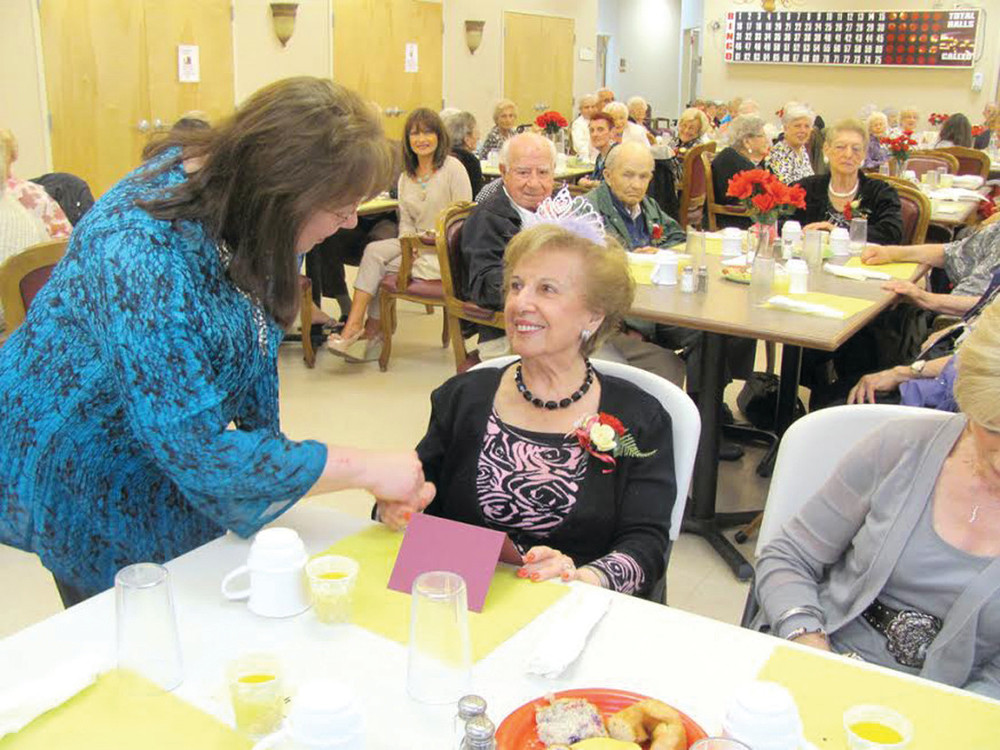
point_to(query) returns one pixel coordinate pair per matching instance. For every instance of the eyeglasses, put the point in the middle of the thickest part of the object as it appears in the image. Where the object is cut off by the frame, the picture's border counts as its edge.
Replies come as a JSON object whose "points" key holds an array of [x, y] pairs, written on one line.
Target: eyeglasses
{"points": [[843, 148], [344, 217]]}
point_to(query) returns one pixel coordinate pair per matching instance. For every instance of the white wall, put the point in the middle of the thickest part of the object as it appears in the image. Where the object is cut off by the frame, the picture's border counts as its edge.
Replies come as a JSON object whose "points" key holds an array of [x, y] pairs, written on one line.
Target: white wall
{"points": [[474, 82], [22, 90], [608, 23], [838, 92]]}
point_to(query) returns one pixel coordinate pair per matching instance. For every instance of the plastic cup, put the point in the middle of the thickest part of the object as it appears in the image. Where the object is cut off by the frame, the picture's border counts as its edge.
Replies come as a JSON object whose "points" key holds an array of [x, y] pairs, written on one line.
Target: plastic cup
{"points": [[147, 640], [781, 282], [812, 249], [695, 246], [257, 693], [764, 716], [439, 662], [870, 727], [331, 587]]}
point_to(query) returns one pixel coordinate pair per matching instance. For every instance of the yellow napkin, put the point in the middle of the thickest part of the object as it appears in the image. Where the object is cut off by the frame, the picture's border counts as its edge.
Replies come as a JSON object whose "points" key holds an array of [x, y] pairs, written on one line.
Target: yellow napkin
{"points": [[642, 273], [825, 688], [902, 271], [122, 710], [850, 306], [510, 604]]}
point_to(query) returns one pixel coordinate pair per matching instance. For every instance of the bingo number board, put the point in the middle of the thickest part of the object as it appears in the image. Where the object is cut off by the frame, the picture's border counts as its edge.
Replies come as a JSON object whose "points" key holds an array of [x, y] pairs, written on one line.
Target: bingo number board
{"points": [[923, 39]]}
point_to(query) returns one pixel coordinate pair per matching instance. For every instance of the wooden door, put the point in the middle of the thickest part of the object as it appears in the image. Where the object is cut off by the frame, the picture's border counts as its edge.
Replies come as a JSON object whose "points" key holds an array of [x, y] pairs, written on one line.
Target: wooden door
{"points": [[95, 76], [207, 24], [538, 64], [369, 54], [111, 75]]}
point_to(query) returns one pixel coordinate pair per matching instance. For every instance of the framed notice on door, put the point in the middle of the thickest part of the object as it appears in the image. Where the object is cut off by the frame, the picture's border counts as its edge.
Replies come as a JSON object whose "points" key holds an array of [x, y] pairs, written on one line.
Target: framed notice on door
{"points": [[920, 38]]}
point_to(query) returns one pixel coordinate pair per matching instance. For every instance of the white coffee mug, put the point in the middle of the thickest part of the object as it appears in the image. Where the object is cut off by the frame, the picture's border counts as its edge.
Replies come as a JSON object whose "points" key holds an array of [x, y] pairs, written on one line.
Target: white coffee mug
{"points": [[276, 567], [840, 241], [324, 715], [665, 272], [732, 242]]}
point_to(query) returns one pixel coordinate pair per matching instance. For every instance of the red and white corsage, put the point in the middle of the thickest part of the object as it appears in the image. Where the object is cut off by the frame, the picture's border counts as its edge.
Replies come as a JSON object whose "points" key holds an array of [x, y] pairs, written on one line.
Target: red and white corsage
{"points": [[605, 437]]}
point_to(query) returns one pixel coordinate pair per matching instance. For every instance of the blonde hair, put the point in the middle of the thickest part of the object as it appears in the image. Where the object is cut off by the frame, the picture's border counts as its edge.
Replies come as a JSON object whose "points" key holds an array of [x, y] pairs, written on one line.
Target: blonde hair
{"points": [[9, 142], [616, 109], [693, 113], [978, 363], [847, 126], [608, 285], [880, 116], [499, 108]]}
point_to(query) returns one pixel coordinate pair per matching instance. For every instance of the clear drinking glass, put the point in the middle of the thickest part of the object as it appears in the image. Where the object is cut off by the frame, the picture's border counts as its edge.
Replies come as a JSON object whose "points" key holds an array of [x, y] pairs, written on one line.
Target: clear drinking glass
{"points": [[858, 234], [148, 643], [257, 693], [331, 587], [439, 653], [812, 249], [931, 178], [695, 246], [871, 727]]}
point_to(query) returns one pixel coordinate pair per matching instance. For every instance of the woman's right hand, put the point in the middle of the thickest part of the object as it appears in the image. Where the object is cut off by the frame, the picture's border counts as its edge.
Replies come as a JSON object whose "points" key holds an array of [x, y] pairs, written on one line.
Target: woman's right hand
{"points": [[814, 640], [396, 477], [876, 255]]}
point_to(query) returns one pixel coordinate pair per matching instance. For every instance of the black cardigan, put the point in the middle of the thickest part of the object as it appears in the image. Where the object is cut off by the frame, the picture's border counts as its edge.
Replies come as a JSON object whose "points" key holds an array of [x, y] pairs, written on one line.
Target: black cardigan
{"points": [[725, 166], [627, 510], [471, 163], [490, 226], [878, 199]]}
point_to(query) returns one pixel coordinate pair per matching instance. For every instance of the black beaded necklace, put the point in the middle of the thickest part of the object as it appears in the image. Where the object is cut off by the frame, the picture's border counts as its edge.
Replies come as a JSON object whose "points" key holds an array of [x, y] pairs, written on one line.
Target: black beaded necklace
{"points": [[551, 405]]}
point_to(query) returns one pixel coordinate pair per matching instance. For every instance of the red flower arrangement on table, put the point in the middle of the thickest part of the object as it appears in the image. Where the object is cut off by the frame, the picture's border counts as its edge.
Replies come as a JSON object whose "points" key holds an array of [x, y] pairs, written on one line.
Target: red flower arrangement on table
{"points": [[605, 438], [764, 195], [937, 118], [551, 122], [978, 130], [900, 146]]}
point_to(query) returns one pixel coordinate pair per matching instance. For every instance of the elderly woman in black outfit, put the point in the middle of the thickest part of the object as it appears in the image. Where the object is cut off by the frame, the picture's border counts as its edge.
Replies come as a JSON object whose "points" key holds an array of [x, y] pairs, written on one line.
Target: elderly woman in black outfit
{"points": [[748, 148], [828, 194], [499, 447]]}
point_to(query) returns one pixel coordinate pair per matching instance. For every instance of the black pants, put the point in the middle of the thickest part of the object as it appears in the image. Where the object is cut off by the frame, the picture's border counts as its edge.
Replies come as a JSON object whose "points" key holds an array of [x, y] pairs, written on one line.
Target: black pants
{"points": [[325, 262]]}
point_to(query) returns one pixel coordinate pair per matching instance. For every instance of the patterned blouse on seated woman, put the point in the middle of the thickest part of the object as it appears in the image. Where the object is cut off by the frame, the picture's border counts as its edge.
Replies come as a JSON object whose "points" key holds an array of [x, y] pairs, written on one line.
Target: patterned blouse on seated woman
{"points": [[432, 180], [789, 157], [878, 128], [502, 445]]}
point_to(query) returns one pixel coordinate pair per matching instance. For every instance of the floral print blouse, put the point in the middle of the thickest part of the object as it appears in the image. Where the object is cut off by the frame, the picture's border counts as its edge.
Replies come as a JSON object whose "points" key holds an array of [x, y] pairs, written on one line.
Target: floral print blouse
{"points": [[789, 164]]}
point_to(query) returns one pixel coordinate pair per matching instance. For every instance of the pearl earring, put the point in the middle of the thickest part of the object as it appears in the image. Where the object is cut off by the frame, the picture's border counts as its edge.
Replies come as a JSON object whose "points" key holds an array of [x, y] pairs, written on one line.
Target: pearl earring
{"points": [[585, 335]]}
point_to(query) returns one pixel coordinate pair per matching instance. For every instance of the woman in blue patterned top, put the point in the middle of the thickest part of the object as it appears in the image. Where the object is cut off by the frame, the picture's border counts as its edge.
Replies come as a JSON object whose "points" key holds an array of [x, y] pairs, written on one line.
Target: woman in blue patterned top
{"points": [[160, 329]]}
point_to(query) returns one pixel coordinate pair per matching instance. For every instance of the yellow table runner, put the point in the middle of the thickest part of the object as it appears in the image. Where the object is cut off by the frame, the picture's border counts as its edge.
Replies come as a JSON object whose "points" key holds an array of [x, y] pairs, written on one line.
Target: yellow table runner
{"points": [[825, 688], [123, 711], [902, 271], [850, 306], [510, 605]]}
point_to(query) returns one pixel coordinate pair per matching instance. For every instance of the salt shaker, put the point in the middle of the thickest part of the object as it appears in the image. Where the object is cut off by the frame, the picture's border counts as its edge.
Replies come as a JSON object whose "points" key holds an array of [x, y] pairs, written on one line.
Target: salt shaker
{"points": [[702, 285], [687, 280], [469, 707], [479, 734]]}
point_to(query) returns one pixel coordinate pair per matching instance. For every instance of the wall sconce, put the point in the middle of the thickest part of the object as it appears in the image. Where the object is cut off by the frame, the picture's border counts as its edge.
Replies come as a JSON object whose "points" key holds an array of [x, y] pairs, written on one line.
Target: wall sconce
{"points": [[283, 20], [474, 34]]}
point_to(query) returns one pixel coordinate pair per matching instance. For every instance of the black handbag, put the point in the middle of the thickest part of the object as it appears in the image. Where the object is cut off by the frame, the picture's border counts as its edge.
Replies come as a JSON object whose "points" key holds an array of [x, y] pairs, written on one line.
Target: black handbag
{"points": [[759, 400]]}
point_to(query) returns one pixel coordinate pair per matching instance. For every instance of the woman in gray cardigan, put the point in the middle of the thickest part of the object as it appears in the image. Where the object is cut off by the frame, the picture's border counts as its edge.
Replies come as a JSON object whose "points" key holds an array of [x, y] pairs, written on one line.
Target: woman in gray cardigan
{"points": [[897, 558]]}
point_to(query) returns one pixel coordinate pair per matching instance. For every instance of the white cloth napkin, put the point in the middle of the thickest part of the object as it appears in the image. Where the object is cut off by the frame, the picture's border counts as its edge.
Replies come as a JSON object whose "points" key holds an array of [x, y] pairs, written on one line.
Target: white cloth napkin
{"points": [[22, 703], [858, 274], [739, 260], [970, 181], [810, 308], [572, 620], [956, 194]]}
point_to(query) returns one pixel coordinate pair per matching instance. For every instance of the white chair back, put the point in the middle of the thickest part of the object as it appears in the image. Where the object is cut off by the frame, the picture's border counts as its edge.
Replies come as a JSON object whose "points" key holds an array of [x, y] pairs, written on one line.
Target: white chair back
{"points": [[811, 449], [684, 418]]}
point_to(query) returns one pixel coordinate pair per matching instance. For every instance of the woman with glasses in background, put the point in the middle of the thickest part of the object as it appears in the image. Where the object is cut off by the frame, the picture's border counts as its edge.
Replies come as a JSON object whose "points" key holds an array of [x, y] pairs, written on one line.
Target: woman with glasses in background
{"points": [[828, 195]]}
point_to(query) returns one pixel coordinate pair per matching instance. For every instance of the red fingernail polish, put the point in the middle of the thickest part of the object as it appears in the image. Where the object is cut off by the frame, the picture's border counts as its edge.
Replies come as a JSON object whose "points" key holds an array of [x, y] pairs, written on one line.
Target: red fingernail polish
{"points": [[530, 557], [536, 577], [565, 576], [522, 573]]}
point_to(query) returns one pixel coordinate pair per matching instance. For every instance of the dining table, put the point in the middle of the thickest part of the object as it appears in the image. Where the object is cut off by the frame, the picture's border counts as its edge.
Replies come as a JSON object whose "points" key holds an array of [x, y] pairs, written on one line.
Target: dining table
{"points": [[691, 662], [725, 309]]}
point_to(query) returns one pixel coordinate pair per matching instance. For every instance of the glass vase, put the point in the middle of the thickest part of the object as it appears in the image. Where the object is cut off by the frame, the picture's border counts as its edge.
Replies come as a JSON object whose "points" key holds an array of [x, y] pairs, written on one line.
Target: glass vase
{"points": [[762, 270]]}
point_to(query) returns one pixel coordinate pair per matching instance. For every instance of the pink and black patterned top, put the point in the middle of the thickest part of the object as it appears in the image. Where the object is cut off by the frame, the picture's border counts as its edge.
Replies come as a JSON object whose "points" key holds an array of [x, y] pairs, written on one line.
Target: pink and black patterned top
{"points": [[38, 202], [527, 485]]}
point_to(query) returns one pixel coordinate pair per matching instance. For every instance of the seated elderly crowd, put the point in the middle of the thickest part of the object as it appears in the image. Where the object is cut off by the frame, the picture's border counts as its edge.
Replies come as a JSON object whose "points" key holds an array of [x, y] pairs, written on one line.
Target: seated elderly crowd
{"points": [[909, 523]]}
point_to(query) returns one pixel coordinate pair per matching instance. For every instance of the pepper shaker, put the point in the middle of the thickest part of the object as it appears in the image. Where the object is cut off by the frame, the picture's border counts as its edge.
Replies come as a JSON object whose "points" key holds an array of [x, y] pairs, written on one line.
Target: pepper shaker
{"points": [[469, 707], [479, 734], [702, 279]]}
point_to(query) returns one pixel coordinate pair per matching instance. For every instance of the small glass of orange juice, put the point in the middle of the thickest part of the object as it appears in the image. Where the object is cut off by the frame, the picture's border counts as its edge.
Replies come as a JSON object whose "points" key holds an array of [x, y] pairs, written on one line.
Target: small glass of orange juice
{"points": [[871, 727], [257, 693], [781, 281], [331, 587]]}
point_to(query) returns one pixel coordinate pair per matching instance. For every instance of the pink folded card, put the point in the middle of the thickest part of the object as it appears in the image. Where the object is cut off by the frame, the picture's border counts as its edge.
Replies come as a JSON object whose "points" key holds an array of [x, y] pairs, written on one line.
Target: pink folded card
{"points": [[433, 543]]}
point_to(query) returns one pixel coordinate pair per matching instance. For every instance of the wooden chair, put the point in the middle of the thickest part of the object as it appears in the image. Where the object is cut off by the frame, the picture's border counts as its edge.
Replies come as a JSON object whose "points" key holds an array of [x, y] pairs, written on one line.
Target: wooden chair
{"points": [[457, 309], [402, 285], [716, 209], [305, 321], [22, 275], [925, 161], [970, 160], [693, 187], [916, 209]]}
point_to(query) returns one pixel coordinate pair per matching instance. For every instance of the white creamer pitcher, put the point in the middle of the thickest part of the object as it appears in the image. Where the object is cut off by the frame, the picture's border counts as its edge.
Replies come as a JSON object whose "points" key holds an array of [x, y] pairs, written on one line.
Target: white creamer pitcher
{"points": [[276, 569]]}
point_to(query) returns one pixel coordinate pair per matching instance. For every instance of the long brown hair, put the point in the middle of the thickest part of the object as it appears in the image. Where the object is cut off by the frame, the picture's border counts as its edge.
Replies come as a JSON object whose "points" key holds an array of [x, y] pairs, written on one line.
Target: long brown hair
{"points": [[424, 121], [295, 146]]}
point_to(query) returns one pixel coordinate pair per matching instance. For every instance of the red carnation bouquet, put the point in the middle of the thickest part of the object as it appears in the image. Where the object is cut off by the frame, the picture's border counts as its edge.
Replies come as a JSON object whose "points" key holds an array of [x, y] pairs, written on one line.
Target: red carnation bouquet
{"points": [[765, 196], [937, 118], [551, 122], [900, 146], [978, 130]]}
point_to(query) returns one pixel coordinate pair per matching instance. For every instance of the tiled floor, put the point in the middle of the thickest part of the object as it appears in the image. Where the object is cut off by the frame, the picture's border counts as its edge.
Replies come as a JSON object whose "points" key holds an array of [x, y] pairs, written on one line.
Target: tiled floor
{"points": [[350, 404]]}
